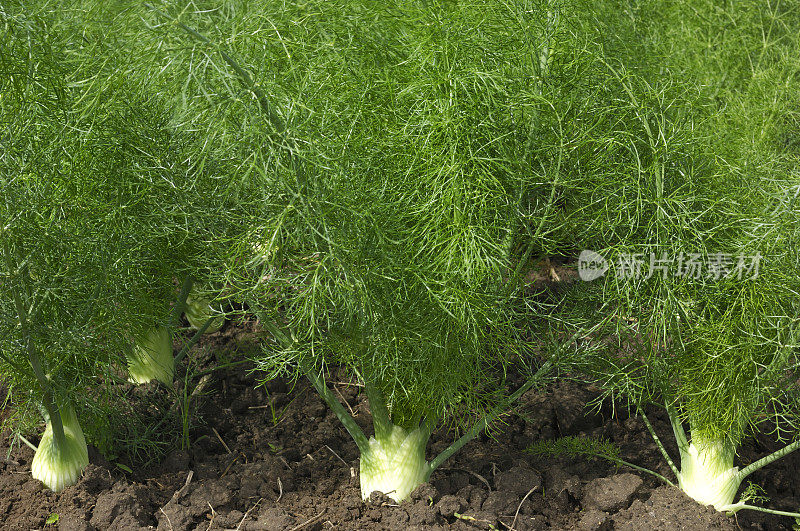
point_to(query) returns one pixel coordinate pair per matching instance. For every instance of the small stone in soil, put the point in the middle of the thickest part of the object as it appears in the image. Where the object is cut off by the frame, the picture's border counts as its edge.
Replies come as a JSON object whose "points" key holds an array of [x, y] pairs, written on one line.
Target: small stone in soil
{"points": [[450, 505], [611, 494], [594, 520], [519, 480], [275, 519], [501, 502]]}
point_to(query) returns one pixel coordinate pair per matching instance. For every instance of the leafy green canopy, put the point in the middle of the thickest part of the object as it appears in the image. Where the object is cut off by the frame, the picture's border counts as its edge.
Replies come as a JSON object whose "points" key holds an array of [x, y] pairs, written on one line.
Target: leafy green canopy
{"points": [[709, 172], [396, 262]]}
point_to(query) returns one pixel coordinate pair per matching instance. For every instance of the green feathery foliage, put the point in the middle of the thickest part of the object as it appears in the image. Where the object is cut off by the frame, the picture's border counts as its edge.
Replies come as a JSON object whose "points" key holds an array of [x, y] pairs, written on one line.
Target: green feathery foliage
{"points": [[703, 169], [102, 208]]}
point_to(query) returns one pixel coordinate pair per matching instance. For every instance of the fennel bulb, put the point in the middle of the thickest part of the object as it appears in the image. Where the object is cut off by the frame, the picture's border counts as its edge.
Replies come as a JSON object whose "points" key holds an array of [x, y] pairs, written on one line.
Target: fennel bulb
{"points": [[59, 463], [707, 474], [151, 358], [199, 310], [394, 465]]}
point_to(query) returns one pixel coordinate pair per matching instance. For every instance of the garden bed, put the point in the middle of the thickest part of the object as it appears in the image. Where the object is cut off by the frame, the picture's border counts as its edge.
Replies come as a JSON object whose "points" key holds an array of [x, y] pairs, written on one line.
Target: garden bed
{"points": [[276, 457]]}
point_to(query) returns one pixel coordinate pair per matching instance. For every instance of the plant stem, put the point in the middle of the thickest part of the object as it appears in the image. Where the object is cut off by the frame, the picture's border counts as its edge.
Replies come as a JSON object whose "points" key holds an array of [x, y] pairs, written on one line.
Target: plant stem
{"points": [[523, 262], [219, 368], [355, 431], [381, 419], [495, 412], [544, 62], [770, 511], [660, 446], [543, 66], [27, 442], [484, 421], [639, 468], [185, 443], [764, 461], [344, 417], [48, 400], [677, 429], [180, 303], [195, 338]]}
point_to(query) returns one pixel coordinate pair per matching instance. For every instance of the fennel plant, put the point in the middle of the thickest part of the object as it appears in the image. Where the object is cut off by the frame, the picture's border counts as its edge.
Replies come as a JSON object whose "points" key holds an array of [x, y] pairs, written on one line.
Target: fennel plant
{"points": [[710, 185], [400, 198], [99, 214]]}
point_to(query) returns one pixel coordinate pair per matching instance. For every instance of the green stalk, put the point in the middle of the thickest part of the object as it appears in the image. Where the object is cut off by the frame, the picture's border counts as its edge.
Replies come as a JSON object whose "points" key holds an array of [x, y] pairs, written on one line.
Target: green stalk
{"points": [[48, 400], [27, 442], [180, 303], [195, 338], [219, 368], [764, 461], [479, 426], [660, 446], [543, 66], [344, 417], [500, 408], [639, 468], [677, 429], [381, 419], [770, 511]]}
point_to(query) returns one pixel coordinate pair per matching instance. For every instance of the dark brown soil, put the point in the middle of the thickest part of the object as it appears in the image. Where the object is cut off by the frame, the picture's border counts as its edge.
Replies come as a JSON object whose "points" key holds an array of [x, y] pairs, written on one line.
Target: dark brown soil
{"points": [[275, 458]]}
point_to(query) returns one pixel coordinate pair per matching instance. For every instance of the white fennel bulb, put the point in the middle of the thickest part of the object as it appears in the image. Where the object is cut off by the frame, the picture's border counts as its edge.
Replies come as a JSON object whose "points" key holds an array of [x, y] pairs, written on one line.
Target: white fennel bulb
{"points": [[59, 463], [394, 465], [707, 474], [199, 310], [151, 358]]}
